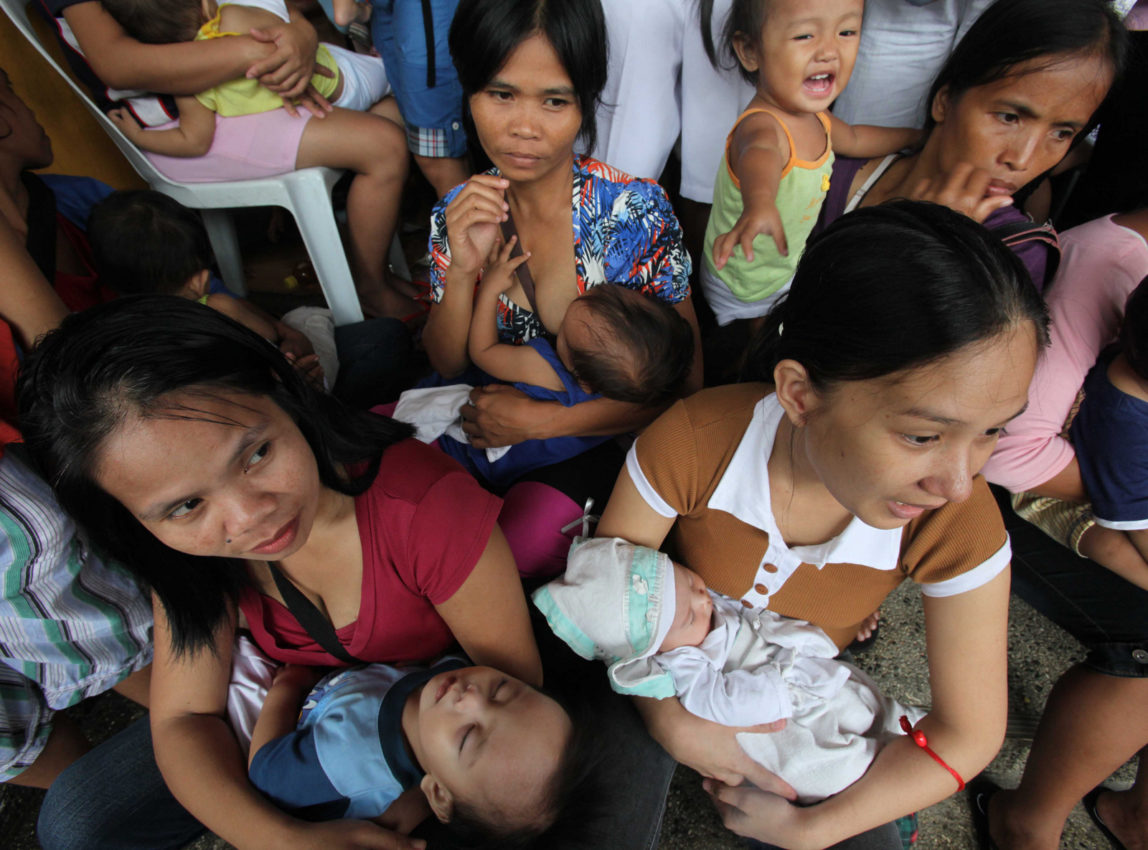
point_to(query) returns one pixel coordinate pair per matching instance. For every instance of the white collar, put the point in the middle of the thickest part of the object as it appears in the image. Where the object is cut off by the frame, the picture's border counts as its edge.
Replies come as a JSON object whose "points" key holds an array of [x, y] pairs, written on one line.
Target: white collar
{"points": [[744, 492]]}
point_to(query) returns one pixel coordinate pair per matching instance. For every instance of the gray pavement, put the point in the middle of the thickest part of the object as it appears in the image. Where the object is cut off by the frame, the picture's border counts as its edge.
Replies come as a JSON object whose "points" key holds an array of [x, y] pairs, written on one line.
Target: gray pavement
{"points": [[1038, 653]]}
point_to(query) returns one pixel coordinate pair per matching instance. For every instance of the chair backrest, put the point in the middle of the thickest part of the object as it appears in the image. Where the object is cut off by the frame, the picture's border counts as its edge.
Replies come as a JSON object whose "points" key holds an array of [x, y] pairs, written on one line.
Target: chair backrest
{"points": [[17, 11]]}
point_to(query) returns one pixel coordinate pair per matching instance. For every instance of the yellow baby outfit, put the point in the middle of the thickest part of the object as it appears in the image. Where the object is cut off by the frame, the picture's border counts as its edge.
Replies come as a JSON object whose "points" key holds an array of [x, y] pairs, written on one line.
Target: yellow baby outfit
{"points": [[244, 96]]}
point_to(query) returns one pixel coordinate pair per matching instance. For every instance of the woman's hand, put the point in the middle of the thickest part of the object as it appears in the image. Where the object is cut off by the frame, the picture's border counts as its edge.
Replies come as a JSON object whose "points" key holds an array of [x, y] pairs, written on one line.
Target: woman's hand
{"points": [[500, 415], [758, 814], [962, 190], [473, 221], [310, 100], [710, 748], [354, 835], [287, 69]]}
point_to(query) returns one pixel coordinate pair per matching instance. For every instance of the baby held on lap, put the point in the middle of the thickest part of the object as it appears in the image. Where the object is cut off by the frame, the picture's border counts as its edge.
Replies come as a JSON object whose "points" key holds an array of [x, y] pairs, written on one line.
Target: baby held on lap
{"points": [[497, 760], [663, 634]]}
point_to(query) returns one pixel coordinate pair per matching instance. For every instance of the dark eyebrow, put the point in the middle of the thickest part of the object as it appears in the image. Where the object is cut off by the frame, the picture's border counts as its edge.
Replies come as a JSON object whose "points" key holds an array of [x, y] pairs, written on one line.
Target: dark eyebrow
{"points": [[568, 91], [1026, 111], [250, 437], [921, 413], [1022, 109]]}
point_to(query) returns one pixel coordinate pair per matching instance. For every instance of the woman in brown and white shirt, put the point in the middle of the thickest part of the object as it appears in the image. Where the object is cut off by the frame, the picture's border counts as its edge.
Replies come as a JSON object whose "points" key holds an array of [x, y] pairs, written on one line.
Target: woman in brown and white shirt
{"points": [[905, 345]]}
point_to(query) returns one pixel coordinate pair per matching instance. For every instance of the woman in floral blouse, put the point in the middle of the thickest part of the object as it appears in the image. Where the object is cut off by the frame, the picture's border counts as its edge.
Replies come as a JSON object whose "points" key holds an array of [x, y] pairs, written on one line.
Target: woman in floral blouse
{"points": [[533, 74]]}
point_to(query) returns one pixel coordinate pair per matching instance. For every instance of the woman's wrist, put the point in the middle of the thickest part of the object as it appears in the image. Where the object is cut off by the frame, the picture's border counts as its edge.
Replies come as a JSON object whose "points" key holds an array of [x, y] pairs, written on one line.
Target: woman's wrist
{"points": [[458, 274], [285, 832]]}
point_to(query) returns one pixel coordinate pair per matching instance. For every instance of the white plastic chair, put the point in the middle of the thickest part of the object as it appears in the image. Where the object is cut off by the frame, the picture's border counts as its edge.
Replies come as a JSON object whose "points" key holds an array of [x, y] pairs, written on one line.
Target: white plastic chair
{"points": [[306, 194]]}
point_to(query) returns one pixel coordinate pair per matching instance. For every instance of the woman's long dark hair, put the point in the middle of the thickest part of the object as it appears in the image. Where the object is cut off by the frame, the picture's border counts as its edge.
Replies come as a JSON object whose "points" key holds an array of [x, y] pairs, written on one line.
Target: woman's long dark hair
{"points": [[894, 287], [485, 32], [1012, 32], [124, 359]]}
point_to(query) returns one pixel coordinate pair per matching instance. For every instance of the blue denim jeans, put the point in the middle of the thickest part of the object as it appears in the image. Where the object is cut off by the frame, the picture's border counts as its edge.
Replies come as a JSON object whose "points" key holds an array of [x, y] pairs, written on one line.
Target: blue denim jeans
{"points": [[115, 798]]}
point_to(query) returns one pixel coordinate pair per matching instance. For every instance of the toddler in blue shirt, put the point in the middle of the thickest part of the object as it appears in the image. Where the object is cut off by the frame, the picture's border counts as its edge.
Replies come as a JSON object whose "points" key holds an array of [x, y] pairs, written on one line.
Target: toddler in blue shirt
{"points": [[494, 757]]}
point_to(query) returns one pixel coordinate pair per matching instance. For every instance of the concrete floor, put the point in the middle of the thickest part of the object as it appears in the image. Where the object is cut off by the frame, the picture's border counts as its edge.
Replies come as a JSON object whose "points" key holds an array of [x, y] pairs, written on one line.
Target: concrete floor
{"points": [[1038, 652]]}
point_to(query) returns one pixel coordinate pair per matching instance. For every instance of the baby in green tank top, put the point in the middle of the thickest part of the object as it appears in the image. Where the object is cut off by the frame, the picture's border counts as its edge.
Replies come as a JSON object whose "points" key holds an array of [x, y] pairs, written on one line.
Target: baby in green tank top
{"points": [[775, 173]]}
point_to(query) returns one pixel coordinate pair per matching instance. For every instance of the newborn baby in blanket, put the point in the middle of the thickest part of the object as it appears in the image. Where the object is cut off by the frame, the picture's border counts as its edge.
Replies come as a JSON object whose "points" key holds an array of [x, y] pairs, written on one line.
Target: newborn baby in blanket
{"points": [[663, 634]]}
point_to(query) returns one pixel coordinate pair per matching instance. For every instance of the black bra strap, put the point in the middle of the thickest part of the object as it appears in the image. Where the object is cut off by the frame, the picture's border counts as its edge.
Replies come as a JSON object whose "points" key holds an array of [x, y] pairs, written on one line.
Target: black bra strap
{"points": [[310, 617]]}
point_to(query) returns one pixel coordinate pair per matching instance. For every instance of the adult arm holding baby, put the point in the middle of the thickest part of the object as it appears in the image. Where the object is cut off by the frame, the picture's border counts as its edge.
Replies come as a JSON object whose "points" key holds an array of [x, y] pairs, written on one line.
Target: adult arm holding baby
{"points": [[700, 472], [499, 414], [281, 55]]}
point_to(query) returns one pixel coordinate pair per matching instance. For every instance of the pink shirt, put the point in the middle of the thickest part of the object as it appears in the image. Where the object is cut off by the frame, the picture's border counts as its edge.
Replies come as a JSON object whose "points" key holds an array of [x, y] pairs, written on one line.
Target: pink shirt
{"points": [[1101, 264]]}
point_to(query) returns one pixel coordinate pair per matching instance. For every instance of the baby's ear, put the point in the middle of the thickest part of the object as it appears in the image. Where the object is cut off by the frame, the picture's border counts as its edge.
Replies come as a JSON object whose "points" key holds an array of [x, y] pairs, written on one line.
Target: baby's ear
{"points": [[197, 285], [746, 52], [439, 796]]}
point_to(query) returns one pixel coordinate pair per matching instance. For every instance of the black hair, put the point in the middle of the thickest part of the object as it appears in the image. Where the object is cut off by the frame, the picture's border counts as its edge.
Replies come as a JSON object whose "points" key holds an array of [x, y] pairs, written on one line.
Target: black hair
{"points": [[125, 358], [894, 287], [1134, 331], [570, 806], [157, 21], [746, 17], [485, 32], [643, 347], [145, 242], [1012, 32]]}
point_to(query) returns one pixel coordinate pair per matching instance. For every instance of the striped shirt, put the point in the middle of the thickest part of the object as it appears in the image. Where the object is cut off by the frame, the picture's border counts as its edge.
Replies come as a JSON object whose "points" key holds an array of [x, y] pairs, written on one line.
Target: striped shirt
{"points": [[71, 626]]}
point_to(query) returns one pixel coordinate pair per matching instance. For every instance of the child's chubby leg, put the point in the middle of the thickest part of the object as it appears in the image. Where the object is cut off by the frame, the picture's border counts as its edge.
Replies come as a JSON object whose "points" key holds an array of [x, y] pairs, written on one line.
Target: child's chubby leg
{"points": [[376, 150], [1115, 550]]}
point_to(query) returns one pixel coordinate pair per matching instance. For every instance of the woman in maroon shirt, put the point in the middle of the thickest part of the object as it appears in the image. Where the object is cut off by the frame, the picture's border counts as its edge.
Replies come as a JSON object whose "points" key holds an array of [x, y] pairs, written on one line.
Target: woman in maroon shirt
{"points": [[191, 450]]}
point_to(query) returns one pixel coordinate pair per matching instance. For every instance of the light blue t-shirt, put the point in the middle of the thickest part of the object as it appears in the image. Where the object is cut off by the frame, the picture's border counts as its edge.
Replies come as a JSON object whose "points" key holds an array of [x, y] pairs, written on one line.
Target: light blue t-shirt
{"points": [[347, 758]]}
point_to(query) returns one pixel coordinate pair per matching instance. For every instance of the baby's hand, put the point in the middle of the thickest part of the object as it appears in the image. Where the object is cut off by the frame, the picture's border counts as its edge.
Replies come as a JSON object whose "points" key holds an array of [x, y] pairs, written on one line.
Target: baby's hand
{"points": [[500, 266], [126, 123], [749, 225], [300, 354], [294, 344], [310, 368]]}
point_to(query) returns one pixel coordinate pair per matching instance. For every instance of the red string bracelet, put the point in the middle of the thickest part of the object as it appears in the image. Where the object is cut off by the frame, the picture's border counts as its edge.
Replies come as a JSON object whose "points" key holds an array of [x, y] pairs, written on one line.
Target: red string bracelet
{"points": [[921, 741]]}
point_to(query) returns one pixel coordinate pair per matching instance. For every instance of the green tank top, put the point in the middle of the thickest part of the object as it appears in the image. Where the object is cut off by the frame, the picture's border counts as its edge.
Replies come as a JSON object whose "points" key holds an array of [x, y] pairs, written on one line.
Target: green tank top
{"points": [[799, 198]]}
